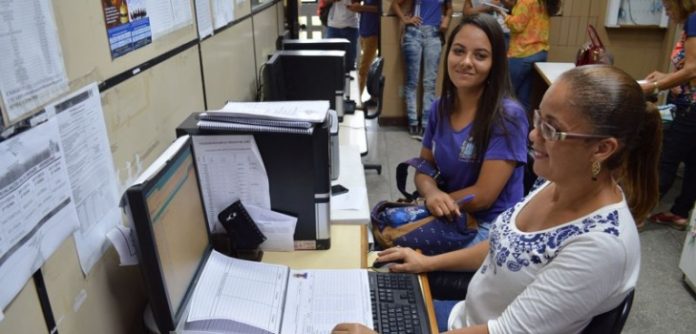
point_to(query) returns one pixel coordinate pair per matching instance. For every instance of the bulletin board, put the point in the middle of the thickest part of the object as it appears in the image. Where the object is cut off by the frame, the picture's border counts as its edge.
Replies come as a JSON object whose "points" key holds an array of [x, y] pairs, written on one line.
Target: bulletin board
{"points": [[636, 13]]}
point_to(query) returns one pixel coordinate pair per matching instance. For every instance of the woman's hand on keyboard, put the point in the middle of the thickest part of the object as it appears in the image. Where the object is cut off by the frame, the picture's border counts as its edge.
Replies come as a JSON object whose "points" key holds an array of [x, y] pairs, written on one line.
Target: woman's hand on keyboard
{"points": [[346, 328], [412, 261]]}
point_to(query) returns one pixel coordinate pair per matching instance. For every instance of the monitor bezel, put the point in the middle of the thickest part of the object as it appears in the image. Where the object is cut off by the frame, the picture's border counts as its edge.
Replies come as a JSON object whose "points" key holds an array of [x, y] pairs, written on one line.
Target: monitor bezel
{"points": [[165, 317]]}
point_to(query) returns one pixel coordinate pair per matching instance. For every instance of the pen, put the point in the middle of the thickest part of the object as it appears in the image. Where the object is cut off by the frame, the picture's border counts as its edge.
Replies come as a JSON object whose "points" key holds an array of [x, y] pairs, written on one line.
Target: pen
{"points": [[465, 199]]}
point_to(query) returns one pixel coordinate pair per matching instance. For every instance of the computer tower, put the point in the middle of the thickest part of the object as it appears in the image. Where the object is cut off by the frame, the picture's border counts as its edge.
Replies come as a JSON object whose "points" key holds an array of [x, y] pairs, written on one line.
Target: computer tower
{"points": [[298, 172], [337, 44]]}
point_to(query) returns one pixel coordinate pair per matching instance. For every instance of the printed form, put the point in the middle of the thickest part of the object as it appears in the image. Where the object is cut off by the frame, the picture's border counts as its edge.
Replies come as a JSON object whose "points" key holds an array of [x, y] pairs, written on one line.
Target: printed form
{"points": [[37, 212], [91, 170], [317, 300], [230, 168], [245, 295]]}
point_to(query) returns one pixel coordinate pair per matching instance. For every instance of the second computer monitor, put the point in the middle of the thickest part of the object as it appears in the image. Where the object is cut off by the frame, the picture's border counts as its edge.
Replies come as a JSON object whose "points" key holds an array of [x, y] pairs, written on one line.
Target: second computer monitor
{"points": [[336, 44], [294, 75]]}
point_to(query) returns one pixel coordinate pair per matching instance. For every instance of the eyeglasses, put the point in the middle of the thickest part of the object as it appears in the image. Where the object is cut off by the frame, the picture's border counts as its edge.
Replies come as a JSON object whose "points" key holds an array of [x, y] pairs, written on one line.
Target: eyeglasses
{"points": [[552, 134]]}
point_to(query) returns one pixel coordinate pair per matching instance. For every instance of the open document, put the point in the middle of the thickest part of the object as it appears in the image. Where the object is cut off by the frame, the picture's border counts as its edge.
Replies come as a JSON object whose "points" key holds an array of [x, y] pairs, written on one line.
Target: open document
{"points": [[230, 168], [237, 296]]}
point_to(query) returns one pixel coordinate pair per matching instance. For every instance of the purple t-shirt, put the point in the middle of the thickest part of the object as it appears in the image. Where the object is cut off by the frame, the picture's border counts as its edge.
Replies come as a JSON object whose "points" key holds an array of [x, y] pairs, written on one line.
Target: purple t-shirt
{"points": [[455, 157]]}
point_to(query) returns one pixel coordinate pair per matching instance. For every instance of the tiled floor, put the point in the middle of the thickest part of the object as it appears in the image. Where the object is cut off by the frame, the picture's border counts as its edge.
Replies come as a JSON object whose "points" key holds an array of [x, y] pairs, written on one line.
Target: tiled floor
{"points": [[663, 304]]}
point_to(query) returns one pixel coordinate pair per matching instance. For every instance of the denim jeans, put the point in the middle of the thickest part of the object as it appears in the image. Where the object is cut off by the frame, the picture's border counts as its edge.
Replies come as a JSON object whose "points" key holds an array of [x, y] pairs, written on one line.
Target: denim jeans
{"points": [[420, 42], [521, 75], [443, 308], [351, 34], [678, 145], [484, 229]]}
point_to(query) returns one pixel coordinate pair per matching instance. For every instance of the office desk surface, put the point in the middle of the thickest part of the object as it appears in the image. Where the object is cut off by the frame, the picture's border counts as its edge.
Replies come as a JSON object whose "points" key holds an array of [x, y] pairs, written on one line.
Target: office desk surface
{"points": [[551, 71], [351, 176], [348, 251], [352, 131]]}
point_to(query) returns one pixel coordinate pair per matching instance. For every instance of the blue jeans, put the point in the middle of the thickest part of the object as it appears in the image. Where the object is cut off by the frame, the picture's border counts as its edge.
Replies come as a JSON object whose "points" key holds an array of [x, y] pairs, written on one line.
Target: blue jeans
{"points": [[443, 308], [420, 42], [521, 75], [484, 229], [678, 145], [351, 34]]}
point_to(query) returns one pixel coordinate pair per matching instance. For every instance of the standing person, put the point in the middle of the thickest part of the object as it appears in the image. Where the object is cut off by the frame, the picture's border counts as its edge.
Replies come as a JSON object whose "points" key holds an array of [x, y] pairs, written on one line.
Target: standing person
{"points": [[477, 134], [424, 24], [570, 250], [472, 7], [680, 137], [343, 23], [369, 36], [529, 41]]}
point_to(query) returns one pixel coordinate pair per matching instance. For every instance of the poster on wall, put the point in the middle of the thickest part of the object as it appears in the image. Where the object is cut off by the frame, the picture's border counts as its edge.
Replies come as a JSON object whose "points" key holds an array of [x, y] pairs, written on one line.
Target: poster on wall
{"points": [[127, 25], [31, 60]]}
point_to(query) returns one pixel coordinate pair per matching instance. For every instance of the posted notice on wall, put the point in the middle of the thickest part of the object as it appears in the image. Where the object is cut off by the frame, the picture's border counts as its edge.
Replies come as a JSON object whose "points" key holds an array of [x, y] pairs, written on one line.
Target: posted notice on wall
{"points": [[127, 25], [37, 212], [31, 61], [91, 170]]}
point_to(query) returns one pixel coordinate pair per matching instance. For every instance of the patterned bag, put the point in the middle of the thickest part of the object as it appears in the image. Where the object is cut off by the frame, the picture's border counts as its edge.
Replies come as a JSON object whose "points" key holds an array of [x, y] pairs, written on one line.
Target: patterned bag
{"points": [[429, 234]]}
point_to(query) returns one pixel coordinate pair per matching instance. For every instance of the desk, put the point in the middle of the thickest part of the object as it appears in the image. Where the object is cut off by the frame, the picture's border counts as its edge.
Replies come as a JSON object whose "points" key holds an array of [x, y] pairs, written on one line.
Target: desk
{"points": [[551, 71], [351, 176], [352, 131], [546, 74]]}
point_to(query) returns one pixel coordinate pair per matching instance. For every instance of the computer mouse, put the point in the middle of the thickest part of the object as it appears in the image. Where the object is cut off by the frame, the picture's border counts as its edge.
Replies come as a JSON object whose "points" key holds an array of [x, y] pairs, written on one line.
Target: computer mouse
{"points": [[384, 266]]}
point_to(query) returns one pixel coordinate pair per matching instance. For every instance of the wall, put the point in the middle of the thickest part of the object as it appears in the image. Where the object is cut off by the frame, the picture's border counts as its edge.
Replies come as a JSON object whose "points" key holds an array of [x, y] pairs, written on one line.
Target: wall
{"points": [[141, 114], [568, 33]]}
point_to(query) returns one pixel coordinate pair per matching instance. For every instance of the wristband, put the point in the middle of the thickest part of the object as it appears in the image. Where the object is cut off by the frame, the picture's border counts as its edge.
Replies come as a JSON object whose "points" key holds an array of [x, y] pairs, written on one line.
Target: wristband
{"points": [[656, 88]]}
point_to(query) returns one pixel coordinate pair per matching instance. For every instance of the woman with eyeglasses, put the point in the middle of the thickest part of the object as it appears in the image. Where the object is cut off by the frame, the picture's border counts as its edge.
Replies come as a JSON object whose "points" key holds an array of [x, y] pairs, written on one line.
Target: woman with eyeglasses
{"points": [[570, 250]]}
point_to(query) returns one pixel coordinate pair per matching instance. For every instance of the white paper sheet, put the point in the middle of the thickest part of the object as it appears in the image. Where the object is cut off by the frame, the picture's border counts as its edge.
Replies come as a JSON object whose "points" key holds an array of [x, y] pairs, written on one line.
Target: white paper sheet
{"points": [[31, 61], [223, 13], [352, 200], [36, 208], [241, 291], [204, 18], [317, 300], [309, 111], [277, 227], [230, 168], [124, 243], [91, 169], [168, 15]]}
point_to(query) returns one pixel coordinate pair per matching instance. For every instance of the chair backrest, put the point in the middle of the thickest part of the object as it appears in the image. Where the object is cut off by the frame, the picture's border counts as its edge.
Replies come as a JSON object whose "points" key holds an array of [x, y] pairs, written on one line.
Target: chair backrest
{"points": [[611, 322], [375, 87]]}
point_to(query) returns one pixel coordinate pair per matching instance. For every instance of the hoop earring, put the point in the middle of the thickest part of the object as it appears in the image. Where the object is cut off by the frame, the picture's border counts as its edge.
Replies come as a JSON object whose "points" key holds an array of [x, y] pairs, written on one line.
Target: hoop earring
{"points": [[596, 168]]}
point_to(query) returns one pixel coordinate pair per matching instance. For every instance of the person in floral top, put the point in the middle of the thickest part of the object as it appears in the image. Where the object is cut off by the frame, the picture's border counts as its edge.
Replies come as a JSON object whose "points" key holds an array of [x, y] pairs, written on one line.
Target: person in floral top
{"points": [[570, 250], [679, 144], [529, 41]]}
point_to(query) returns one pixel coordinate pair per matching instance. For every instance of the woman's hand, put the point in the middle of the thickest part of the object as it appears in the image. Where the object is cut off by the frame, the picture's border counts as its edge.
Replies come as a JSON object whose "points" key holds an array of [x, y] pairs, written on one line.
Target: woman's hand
{"points": [[440, 204], [349, 328], [655, 76], [415, 20], [413, 262]]}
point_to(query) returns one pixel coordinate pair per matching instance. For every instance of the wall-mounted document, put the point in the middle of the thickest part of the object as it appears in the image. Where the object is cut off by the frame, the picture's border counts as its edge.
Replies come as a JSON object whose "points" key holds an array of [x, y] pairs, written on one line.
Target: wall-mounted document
{"points": [[168, 15], [91, 170], [204, 18], [31, 61], [37, 212], [230, 168], [128, 26], [223, 13]]}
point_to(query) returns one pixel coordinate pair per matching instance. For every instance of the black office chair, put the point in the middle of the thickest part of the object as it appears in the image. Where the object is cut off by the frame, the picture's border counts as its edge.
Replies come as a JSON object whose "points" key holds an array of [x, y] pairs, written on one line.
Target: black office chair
{"points": [[612, 321], [373, 106]]}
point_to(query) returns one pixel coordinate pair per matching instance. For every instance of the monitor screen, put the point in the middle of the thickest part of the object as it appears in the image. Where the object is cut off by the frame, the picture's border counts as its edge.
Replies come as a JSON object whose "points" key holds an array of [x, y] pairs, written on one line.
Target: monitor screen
{"points": [[170, 223]]}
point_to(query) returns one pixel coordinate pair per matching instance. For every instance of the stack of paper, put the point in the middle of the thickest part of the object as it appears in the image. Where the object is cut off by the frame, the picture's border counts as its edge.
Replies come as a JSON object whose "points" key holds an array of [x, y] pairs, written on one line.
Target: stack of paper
{"points": [[285, 116]]}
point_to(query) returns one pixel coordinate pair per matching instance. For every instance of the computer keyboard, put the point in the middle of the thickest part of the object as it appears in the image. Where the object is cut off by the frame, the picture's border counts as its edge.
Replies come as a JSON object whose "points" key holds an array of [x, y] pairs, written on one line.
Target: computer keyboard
{"points": [[397, 304]]}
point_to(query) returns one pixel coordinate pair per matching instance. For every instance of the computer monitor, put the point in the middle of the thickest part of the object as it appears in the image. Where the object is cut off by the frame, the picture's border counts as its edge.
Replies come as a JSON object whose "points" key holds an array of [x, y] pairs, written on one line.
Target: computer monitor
{"points": [[336, 44], [294, 75], [171, 231]]}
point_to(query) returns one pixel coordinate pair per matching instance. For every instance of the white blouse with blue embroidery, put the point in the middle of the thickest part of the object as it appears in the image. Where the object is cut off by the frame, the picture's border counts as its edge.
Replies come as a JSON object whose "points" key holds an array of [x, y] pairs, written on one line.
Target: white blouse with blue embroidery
{"points": [[554, 280]]}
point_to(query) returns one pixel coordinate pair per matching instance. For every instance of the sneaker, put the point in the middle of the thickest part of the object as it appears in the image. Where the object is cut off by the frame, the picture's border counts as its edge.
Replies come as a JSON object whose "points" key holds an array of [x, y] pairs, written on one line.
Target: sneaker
{"points": [[414, 132], [670, 219]]}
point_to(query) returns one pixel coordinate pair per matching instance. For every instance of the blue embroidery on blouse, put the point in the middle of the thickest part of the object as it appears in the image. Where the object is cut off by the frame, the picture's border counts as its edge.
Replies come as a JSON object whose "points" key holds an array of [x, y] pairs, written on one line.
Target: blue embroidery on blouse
{"points": [[521, 250]]}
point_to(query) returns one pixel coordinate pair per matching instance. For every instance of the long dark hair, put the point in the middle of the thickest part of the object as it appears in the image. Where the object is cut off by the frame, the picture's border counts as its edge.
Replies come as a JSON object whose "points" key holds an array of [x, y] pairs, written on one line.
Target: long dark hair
{"points": [[615, 106], [489, 111], [551, 6]]}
